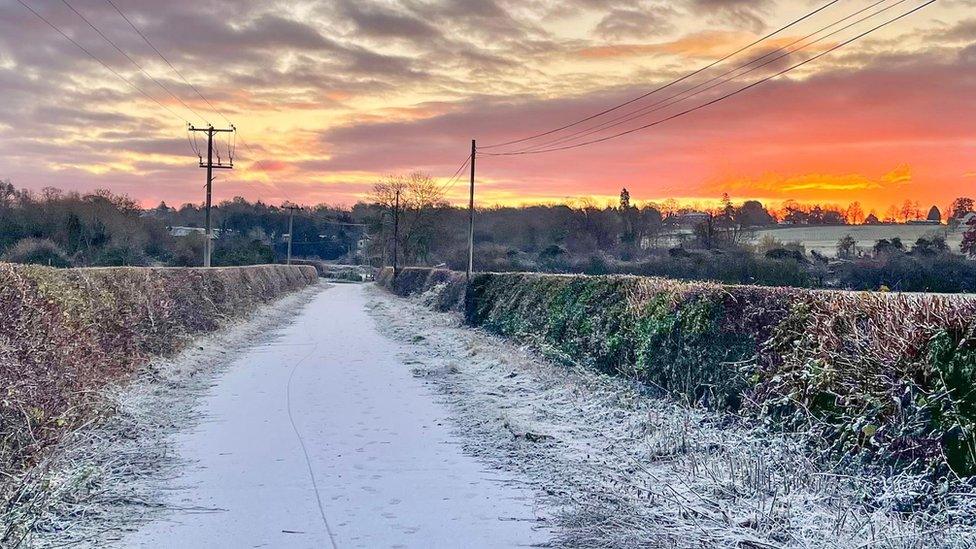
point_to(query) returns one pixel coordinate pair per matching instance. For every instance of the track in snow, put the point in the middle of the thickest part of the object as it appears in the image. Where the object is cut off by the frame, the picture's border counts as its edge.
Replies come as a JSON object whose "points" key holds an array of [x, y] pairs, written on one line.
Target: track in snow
{"points": [[387, 468]]}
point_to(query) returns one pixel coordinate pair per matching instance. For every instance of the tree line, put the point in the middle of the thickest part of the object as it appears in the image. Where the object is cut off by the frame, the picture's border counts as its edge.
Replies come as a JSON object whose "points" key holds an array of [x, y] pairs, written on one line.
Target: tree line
{"points": [[662, 240], [101, 228], [58, 228]]}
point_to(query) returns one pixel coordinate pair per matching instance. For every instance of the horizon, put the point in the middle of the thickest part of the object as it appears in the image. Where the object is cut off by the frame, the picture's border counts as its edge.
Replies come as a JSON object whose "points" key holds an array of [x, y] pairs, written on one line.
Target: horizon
{"points": [[669, 204]]}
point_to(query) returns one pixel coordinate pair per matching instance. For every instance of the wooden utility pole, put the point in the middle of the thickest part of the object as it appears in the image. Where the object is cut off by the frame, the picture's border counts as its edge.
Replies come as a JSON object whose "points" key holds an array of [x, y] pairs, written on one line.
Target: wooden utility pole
{"points": [[210, 166], [467, 274], [396, 233], [291, 230]]}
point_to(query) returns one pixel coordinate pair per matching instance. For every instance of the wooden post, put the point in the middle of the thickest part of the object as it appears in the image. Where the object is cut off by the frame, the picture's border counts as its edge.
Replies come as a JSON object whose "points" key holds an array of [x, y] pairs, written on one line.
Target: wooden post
{"points": [[474, 151]]}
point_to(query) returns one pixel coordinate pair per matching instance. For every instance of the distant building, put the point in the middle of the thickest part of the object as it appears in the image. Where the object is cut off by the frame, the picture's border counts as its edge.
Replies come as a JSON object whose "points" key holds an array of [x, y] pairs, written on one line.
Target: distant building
{"points": [[689, 219], [362, 247], [180, 232]]}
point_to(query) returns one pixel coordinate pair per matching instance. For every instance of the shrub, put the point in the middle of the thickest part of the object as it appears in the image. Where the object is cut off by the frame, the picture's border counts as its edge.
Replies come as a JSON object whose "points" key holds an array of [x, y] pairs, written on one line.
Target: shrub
{"points": [[120, 254], [236, 251], [188, 251], [732, 267], [37, 251], [924, 272]]}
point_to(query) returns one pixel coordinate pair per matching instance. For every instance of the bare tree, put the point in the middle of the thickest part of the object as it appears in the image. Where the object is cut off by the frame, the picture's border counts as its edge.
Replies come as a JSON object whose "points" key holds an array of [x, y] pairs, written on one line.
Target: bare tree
{"points": [[854, 214], [417, 194]]}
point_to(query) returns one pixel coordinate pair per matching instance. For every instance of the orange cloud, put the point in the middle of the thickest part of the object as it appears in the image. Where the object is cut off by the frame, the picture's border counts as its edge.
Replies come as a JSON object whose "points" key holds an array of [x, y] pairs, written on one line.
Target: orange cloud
{"points": [[701, 44], [270, 166], [820, 187], [901, 174]]}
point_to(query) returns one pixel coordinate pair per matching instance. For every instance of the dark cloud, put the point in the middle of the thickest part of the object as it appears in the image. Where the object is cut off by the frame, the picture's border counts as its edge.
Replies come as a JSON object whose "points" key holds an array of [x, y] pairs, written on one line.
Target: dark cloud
{"points": [[59, 115], [968, 55], [130, 143], [381, 21], [637, 22], [964, 31], [744, 14]]}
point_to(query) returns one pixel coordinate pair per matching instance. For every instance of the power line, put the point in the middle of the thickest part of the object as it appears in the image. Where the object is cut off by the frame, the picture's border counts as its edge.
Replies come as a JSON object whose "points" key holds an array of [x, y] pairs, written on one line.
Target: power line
{"points": [[131, 60], [196, 150], [667, 102], [669, 84], [643, 111], [116, 73], [723, 97], [163, 57], [454, 178], [308, 242], [258, 163], [102, 63]]}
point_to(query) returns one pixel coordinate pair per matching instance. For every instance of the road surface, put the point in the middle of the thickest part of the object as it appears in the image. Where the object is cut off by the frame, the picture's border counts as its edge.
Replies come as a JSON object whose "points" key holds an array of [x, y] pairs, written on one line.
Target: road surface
{"points": [[322, 437]]}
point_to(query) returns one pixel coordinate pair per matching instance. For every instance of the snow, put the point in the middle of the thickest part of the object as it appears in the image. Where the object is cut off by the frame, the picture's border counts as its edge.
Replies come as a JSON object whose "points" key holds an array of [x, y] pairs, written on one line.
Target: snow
{"points": [[623, 467], [387, 468], [421, 432]]}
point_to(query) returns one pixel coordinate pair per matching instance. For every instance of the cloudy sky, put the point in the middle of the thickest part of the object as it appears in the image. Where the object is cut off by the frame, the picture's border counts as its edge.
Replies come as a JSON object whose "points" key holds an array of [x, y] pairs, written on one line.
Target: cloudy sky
{"points": [[331, 95]]}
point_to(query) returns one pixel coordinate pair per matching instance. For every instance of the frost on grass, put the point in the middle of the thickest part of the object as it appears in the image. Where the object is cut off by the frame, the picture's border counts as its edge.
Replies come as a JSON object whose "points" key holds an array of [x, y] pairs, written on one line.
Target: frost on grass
{"points": [[105, 478], [619, 466]]}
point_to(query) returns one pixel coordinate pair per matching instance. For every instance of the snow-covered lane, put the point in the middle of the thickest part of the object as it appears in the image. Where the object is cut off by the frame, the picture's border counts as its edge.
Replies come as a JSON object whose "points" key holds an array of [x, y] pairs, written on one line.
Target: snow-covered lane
{"points": [[379, 449]]}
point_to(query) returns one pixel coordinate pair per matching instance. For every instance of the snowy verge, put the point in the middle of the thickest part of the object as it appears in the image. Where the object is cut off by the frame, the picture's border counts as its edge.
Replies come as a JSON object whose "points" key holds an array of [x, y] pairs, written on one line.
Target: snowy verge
{"points": [[625, 469]]}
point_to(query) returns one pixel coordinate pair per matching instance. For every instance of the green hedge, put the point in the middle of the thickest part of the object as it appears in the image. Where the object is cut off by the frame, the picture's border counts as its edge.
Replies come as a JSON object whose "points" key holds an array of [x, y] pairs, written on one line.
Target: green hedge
{"points": [[65, 333], [886, 378]]}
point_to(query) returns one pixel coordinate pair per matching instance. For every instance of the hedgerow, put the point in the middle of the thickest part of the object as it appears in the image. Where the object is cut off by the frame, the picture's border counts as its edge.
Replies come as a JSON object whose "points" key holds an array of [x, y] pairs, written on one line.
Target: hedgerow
{"points": [[65, 333], [447, 286], [874, 379]]}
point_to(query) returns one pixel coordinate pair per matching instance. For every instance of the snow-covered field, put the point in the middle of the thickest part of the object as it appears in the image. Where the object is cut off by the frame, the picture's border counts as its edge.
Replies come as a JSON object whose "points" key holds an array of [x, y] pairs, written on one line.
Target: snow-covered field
{"points": [[824, 238], [352, 418]]}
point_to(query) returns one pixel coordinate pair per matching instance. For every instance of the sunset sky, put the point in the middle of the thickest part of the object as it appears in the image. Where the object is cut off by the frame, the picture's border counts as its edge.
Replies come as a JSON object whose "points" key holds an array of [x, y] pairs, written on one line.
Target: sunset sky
{"points": [[332, 95]]}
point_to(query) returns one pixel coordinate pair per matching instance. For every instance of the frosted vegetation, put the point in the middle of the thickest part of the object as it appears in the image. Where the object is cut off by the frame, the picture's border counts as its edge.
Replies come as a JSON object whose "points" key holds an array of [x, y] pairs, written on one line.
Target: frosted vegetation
{"points": [[870, 391]]}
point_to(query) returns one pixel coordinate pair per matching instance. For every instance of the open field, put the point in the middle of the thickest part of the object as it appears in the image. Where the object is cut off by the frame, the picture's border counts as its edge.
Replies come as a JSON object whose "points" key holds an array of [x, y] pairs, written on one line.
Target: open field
{"points": [[824, 239]]}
